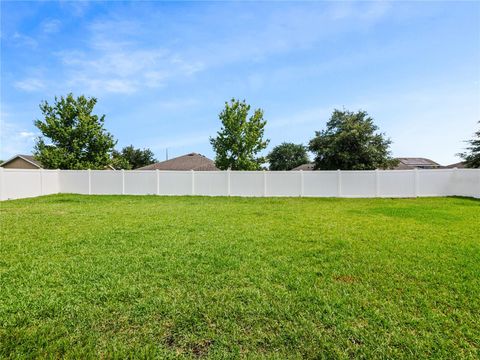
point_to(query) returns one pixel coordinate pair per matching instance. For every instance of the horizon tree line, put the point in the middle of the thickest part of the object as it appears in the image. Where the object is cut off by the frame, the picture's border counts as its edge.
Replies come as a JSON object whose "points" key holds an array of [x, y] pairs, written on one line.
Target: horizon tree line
{"points": [[72, 137]]}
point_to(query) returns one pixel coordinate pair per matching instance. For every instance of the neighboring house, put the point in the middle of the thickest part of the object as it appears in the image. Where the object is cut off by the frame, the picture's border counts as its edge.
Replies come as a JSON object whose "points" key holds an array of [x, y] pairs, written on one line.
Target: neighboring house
{"points": [[192, 161], [416, 163], [459, 165], [404, 164], [304, 167], [28, 162], [21, 162]]}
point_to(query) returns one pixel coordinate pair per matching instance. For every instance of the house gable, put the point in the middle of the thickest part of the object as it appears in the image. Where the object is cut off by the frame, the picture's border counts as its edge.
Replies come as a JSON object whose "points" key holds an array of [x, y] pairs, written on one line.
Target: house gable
{"points": [[21, 162]]}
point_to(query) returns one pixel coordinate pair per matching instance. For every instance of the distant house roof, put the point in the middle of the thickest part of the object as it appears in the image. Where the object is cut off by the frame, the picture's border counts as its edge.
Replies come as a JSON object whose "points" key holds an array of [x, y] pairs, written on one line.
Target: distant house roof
{"points": [[412, 163], [459, 165], [192, 161], [12, 163], [304, 167], [28, 158]]}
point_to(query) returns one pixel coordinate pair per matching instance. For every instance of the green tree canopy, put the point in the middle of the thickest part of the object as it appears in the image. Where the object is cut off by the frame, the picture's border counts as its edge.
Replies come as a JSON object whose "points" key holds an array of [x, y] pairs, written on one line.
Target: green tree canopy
{"points": [[287, 156], [76, 137], [240, 139], [472, 156], [130, 158], [351, 142]]}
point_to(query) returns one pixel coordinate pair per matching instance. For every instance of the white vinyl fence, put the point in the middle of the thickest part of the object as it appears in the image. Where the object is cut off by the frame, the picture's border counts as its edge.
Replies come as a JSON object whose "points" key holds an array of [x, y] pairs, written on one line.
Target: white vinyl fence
{"points": [[19, 183]]}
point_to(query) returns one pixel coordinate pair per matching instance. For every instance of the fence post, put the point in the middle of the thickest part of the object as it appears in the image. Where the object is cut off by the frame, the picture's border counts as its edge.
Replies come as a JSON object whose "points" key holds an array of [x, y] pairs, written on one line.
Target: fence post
{"points": [[158, 181], [453, 188], [59, 186], [228, 183], [41, 182], [123, 182], [264, 183], [339, 183], [2, 174], [416, 182], [377, 185], [193, 181], [301, 183], [89, 182], [478, 194]]}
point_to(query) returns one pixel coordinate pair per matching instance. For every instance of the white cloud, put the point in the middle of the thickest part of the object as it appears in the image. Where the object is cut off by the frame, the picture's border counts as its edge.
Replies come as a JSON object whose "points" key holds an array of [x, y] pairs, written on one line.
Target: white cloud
{"points": [[51, 26], [24, 40], [122, 58], [30, 84], [27, 135], [77, 7], [368, 12], [123, 67], [287, 28], [14, 139], [118, 59], [99, 85]]}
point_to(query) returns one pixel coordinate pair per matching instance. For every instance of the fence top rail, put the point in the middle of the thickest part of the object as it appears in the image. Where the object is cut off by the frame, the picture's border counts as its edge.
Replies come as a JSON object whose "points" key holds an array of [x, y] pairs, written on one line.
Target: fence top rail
{"points": [[28, 170], [246, 171]]}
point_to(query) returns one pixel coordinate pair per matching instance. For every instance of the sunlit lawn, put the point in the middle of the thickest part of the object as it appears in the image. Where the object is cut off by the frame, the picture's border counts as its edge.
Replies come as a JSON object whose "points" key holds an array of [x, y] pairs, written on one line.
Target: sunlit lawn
{"points": [[147, 276]]}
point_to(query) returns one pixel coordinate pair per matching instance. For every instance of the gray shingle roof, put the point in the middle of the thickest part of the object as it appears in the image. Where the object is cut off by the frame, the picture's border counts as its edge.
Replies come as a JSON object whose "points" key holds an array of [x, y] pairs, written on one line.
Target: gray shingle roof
{"points": [[459, 165], [304, 167], [417, 162], [407, 163], [192, 161]]}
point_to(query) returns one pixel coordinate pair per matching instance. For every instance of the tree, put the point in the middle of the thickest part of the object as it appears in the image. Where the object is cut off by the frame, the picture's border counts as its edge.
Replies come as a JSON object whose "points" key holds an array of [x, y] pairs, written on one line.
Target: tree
{"points": [[77, 138], [240, 139], [351, 142], [287, 156], [472, 158], [131, 158], [118, 162]]}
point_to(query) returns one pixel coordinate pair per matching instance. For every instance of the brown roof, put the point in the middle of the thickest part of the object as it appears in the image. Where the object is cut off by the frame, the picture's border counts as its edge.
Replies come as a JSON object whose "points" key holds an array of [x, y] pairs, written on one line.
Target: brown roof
{"points": [[459, 165], [28, 158], [304, 167], [412, 163], [192, 161]]}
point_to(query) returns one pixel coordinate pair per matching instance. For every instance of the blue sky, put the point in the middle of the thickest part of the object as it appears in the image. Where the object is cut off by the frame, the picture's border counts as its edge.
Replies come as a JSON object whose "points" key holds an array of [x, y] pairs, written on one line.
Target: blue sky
{"points": [[162, 70]]}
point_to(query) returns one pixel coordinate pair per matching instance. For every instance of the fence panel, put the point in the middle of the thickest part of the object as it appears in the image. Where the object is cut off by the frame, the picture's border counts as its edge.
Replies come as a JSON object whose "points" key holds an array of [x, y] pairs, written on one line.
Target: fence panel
{"points": [[438, 182], [21, 183], [211, 183], [247, 183], [73, 181], [320, 183], [105, 182], [396, 183], [175, 183], [466, 182], [140, 182], [358, 183], [283, 183], [50, 183]]}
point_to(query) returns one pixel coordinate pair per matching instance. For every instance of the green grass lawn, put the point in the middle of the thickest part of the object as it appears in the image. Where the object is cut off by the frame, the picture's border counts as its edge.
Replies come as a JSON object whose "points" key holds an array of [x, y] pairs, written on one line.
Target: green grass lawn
{"points": [[168, 277]]}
